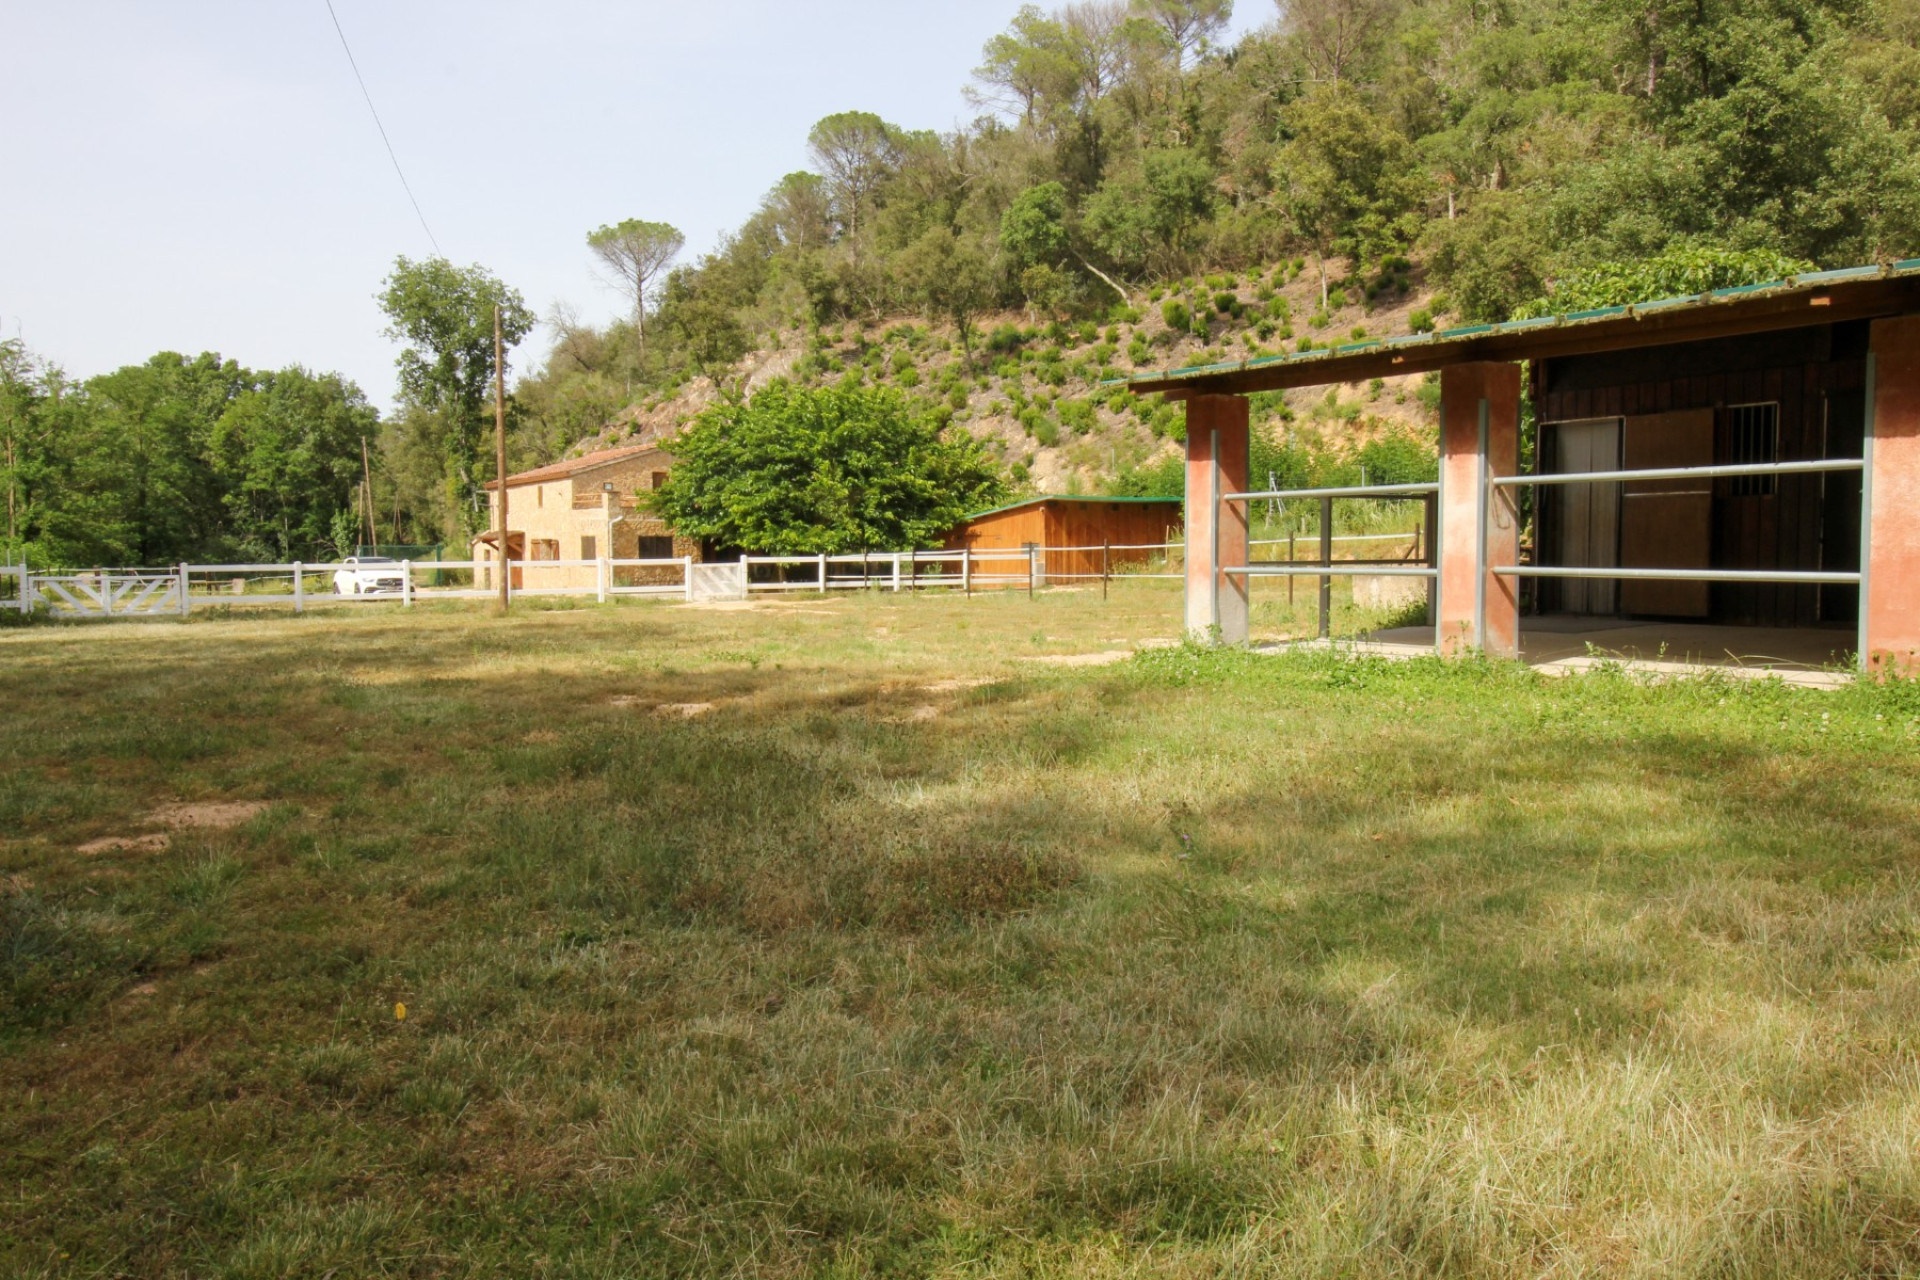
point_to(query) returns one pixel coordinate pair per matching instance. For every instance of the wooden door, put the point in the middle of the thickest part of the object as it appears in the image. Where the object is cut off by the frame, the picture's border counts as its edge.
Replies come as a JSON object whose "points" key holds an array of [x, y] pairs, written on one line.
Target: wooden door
{"points": [[1667, 524], [1587, 516]]}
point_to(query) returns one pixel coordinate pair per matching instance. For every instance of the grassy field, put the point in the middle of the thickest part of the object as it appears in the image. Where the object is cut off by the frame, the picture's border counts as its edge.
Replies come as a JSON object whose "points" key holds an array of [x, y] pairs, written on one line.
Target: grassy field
{"points": [[844, 938]]}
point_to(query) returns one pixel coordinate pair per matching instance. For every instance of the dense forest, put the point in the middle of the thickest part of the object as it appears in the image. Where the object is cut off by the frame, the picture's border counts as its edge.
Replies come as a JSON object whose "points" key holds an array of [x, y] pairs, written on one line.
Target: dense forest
{"points": [[1136, 190]]}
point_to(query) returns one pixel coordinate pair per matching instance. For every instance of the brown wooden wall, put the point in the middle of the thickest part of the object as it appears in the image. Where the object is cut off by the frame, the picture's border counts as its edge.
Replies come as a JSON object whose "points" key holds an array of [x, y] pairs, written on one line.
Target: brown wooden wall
{"points": [[1802, 370], [1072, 524]]}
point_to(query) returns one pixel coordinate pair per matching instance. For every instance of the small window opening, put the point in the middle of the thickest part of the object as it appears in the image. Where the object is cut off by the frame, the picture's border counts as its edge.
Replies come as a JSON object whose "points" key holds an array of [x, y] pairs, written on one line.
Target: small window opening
{"points": [[656, 548], [589, 549], [1756, 439], [659, 480]]}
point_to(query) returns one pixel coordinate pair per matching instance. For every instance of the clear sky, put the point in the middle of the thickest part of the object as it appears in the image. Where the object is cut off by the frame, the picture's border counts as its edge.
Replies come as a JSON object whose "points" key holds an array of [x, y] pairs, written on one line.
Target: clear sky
{"points": [[204, 175]]}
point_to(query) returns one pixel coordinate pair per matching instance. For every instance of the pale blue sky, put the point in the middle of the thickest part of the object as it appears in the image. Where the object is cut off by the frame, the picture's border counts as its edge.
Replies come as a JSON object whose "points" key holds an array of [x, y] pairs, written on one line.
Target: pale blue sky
{"points": [[203, 174]]}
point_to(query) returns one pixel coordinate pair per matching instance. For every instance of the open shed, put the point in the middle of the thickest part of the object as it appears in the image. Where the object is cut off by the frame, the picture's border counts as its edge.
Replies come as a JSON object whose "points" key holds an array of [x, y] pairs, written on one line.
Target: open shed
{"points": [[1075, 537], [1746, 457]]}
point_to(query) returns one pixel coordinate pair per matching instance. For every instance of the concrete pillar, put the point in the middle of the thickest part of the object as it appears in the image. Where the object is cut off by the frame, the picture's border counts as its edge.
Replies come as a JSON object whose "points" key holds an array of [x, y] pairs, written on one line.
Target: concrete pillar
{"points": [[1890, 593], [1216, 532], [1479, 438]]}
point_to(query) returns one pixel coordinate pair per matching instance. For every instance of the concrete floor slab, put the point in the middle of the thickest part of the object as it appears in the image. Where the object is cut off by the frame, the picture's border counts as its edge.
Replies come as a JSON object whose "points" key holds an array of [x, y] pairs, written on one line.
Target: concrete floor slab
{"points": [[1816, 657]]}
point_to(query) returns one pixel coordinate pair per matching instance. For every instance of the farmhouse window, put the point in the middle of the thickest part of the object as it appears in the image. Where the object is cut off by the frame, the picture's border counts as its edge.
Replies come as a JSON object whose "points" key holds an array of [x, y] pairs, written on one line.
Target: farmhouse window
{"points": [[1755, 433], [546, 549], [589, 549], [656, 548], [659, 479]]}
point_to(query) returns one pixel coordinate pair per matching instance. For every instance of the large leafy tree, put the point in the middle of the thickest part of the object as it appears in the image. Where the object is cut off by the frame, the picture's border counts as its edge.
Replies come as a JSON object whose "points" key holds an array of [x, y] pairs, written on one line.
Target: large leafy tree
{"points": [[1347, 179], [799, 472], [637, 253], [287, 454], [445, 315], [856, 150]]}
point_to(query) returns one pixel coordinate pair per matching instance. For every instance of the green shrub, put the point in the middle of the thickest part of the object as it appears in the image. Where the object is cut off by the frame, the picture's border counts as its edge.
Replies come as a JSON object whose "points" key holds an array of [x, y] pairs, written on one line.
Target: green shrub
{"points": [[1421, 321], [1078, 416], [1175, 313], [1226, 303], [1006, 338]]}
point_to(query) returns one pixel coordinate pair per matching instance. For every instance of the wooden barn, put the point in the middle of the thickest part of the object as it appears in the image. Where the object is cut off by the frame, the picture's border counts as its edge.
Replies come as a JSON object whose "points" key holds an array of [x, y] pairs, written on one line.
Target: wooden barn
{"points": [[1072, 536]]}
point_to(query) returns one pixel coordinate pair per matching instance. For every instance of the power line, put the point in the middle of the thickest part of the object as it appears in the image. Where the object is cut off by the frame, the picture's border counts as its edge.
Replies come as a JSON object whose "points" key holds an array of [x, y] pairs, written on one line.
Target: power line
{"points": [[407, 186]]}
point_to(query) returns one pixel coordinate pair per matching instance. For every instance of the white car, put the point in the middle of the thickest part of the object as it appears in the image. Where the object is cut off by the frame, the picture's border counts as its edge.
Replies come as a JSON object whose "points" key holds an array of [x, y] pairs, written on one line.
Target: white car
{"points": [[368, 575]]}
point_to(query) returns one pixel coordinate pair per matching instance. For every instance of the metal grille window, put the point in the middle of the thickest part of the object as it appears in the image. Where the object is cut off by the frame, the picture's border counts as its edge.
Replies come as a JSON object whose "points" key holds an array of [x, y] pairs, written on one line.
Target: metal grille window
{"points": [[1756, 438], [655, 548]]}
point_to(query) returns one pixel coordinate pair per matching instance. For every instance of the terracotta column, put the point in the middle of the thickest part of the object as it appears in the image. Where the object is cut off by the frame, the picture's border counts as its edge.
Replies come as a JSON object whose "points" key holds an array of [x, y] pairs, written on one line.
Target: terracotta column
{"points": [[1890, 594], [1216, 533], [1479, 438]]}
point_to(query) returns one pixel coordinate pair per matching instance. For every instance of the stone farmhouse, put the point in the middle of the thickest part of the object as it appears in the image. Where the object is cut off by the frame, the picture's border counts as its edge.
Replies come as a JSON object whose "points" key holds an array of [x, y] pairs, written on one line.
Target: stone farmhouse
{"points": [[583, 509]]}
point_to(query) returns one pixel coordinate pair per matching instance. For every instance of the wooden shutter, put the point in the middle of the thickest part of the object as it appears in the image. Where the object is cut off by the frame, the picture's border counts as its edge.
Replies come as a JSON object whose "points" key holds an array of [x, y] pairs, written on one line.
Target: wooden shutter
{"points": [[1667, 524]]}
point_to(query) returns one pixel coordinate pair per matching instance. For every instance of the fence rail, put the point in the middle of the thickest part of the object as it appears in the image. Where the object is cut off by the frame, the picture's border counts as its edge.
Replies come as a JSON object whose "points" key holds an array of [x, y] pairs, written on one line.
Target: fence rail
{"points": [[176, 590]]}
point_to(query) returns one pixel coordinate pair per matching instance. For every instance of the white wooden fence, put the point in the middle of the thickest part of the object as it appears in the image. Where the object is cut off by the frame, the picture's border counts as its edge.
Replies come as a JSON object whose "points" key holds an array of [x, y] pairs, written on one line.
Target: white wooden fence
{"points": [[175, 591]]}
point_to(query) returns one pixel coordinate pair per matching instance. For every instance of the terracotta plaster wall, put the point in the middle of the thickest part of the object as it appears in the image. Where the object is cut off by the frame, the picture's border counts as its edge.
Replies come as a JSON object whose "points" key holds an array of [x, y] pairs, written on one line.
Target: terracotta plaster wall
{"points": [[1217, 448], [1463, 471], [1892, 607]]}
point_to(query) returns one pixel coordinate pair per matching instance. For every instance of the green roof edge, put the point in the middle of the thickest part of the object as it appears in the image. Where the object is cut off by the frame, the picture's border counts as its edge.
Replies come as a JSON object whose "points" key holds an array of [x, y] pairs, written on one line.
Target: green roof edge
{"points": [[1811, 279], [1063, 497]]}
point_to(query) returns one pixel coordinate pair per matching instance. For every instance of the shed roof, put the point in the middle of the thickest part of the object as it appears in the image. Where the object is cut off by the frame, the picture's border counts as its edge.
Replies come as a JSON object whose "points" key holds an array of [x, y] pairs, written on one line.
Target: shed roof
{"points": [[1824, 297], [1062, 497], [574, 466]]}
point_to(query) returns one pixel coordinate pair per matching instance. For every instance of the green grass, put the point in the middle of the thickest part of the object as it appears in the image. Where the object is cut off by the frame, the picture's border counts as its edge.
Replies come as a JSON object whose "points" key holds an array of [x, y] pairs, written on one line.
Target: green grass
{"points": [[918, 958]]}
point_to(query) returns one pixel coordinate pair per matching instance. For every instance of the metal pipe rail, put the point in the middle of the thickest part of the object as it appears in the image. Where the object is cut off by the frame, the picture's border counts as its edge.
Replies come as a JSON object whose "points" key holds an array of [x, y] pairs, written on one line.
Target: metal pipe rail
{"points": [[1684, 473], [1795, 577], [1338, 569], [1356, 491]]}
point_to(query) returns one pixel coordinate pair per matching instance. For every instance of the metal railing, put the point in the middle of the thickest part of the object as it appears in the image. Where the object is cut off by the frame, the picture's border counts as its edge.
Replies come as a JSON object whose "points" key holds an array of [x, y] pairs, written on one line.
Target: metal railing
{"points": [[1680, 573]]}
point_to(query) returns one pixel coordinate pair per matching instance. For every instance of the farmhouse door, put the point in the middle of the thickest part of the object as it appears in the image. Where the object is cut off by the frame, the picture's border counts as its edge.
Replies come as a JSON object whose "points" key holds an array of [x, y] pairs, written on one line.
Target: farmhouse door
{"points": [[1667, 524], [1587, 516]]}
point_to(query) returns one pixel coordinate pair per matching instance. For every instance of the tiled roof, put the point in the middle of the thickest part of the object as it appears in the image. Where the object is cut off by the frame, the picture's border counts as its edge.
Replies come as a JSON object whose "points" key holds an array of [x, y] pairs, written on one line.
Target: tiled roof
{"points": [[574, 466]]}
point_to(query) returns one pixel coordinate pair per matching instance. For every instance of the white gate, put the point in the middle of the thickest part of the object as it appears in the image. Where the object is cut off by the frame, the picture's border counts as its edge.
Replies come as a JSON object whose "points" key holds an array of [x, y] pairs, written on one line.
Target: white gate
{"points": [[717, 582], [110, 595], [13, 587]]}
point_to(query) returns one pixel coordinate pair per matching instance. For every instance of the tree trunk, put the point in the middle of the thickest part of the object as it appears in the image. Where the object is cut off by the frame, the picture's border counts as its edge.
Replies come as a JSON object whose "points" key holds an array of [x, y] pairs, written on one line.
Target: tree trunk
{"points": [[1109, 279]]}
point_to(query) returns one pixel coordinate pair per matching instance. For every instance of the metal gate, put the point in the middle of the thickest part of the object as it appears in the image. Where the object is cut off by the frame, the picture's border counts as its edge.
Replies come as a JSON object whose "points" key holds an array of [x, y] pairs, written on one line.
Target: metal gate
{"points": [[110, 595], [717, 582]]}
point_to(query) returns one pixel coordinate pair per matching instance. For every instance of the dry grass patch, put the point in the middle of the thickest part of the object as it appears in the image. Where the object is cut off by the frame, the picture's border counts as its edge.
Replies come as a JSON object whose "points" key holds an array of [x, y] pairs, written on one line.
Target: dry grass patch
{"points": [[1190, 965]]}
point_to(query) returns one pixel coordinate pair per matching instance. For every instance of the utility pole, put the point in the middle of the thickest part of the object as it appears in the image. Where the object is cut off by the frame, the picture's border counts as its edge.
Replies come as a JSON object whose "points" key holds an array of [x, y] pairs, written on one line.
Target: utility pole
{"points": [[366, 494], [500, 458]]}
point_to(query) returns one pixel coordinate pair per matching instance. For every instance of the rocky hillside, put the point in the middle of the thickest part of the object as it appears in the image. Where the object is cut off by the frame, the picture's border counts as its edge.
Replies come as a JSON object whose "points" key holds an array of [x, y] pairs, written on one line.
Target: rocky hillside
{"points": [[1033, 388]]}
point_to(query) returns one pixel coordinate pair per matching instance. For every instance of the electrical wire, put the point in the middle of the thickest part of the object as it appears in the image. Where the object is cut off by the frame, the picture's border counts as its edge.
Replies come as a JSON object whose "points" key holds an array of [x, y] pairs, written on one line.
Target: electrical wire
{"points": [[375, 112]]}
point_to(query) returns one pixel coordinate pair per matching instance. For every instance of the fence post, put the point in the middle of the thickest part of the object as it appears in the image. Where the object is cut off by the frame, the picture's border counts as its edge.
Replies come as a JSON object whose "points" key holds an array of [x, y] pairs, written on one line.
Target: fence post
{"points": [[966, 570], [406, 584], [1106, 564], [186, 588], [1030, 570], [601, 573], [299, 588], [896, 571], [686, 564], [1290, 559], [823, 573], [1326, 558]]}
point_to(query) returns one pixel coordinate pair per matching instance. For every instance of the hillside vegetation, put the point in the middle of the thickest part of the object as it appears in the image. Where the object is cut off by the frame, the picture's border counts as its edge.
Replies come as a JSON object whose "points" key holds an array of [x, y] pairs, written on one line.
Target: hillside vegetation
{"points": [[1130, 173]]}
